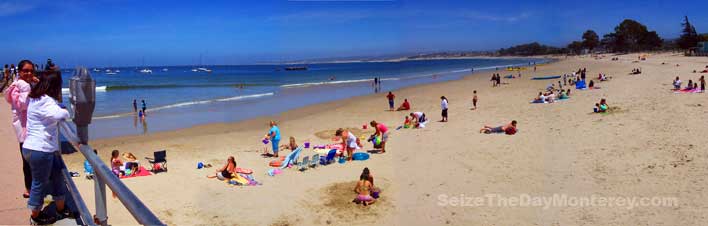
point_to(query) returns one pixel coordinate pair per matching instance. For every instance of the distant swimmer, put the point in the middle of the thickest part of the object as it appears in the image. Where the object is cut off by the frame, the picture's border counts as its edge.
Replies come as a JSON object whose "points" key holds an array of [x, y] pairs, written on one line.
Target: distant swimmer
{"points": [[332, 78], [144, 107]]}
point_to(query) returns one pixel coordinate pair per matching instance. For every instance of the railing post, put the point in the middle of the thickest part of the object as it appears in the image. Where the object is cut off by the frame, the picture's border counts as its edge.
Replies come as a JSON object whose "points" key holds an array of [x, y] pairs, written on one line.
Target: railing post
{"points": [[100, 192]]}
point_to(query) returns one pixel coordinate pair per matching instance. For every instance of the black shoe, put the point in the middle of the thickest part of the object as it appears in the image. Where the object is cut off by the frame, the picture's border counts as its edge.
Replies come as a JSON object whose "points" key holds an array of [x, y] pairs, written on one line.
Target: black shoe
{"points": [[42, 219], [66, 213]]}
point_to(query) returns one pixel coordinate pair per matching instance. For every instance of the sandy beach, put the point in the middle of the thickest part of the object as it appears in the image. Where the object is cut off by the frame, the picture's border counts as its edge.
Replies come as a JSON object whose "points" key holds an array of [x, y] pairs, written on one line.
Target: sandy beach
{"points": [[651, 145]]}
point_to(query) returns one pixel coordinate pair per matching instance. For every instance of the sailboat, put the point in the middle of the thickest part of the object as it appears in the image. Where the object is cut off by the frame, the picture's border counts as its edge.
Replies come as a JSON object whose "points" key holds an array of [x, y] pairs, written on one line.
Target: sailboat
{"points": [[202, 68], [145, 70]]}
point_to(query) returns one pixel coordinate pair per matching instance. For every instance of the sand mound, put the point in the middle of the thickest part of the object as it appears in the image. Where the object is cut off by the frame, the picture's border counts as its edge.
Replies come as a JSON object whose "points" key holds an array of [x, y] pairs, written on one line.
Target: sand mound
{"points": [[337, 206]]}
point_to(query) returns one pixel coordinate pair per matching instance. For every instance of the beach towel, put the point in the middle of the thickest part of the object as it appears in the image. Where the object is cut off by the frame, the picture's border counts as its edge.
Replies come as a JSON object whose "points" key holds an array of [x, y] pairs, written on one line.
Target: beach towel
{"points": [[290, 159], [580, 85], [689, 91], [141, 172], [546, 77]]}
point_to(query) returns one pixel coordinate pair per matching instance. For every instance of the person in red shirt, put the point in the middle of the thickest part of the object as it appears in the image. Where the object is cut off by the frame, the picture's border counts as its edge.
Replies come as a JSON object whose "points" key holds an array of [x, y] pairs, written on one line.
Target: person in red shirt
{"points": [[390, 98], [405, 106]]}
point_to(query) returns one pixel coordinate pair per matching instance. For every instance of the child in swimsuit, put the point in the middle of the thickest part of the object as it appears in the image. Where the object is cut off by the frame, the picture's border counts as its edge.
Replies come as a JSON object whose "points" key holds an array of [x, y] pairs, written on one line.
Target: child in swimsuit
{"points": [[363, 189]]}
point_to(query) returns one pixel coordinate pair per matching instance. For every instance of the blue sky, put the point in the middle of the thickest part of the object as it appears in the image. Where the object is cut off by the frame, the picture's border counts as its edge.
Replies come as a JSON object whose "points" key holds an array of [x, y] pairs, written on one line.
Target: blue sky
{"points": [[124, 32]]}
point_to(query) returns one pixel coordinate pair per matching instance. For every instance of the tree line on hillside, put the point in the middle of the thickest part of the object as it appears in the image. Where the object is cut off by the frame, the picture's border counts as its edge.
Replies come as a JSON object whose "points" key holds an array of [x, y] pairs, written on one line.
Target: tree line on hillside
{"points": [[628, 36]]}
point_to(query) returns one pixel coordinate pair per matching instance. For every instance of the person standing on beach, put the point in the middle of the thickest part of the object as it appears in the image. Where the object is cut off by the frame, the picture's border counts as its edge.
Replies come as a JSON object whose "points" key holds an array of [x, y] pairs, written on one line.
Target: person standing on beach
{"points": [[474, 100], [135, 105], [390, 98], [16, 95], [443, 105], [144, 107], [41, 147], [274, 137], [703, 83], [381, 131]]}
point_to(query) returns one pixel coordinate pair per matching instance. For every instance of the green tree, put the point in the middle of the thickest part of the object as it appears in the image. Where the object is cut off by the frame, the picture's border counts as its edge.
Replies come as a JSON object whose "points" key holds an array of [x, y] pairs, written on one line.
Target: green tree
{"points": [[689, 37], [590, 40], [631, 35]]}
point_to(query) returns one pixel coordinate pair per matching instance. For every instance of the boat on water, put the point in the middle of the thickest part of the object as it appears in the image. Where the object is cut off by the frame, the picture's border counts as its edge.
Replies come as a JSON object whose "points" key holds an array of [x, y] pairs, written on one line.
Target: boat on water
{"points": [[164, 69], [96, 70], [146, 71], [302, 68], [201, 68]]}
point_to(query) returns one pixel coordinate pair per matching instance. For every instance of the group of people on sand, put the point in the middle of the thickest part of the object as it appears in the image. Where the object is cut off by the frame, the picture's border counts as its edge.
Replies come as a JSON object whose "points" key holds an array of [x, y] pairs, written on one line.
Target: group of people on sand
{"points": [[127, 167], [496, 79], [550, 96], [636, 71], [143, 111], [601, 107], [35, 100], [391, 103], [691, 86]]}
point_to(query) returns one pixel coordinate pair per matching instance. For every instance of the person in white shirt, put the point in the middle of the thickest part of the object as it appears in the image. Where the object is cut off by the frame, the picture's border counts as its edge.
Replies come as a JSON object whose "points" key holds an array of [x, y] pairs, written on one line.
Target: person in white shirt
{"points": [[443, 105], [41, 147], [677, 83]]}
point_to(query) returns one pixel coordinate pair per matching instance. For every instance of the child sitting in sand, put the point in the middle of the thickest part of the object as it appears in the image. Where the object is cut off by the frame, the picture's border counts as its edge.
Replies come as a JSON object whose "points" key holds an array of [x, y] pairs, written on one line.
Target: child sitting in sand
{"points": [[291, 145], [677, 83], [363, 190], [602, 106], [509, 129], [407, 123], [88, 169], [226, 172]]}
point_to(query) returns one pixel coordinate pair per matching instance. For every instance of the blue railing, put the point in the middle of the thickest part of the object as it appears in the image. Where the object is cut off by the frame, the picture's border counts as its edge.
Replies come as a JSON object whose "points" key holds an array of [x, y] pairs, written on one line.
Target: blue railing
{"points": [[103, 176]]}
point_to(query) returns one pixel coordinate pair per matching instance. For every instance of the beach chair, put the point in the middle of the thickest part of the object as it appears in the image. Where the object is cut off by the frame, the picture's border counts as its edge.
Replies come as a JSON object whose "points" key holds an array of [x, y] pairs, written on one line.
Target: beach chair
{"points": [[315, 160], [158, 163], [329, 158], [290, 159], [305, 162]]}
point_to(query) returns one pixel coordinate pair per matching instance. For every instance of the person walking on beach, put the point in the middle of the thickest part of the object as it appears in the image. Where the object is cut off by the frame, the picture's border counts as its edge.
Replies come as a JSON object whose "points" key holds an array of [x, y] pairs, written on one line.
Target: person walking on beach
{"points": [[135, 105], [390, 98], [474, 100], [703, 83], [443, 105], [144, 107], [274, 137], [16, 95], [41, 147]]}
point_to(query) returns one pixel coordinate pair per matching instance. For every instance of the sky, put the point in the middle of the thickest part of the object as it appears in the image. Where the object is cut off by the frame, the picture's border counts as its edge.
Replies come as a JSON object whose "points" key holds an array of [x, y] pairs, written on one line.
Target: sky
{"points": [[133, 33]]}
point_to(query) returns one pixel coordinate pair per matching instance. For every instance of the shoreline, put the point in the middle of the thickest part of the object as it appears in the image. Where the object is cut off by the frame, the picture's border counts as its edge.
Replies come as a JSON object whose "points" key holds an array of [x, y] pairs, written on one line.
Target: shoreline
{"points": [[271, 102], [298, 112]]}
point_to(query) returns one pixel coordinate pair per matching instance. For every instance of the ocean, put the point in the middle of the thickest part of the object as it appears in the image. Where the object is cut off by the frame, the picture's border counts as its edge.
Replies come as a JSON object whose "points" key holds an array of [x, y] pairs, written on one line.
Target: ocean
{"points": [[178, 97]]}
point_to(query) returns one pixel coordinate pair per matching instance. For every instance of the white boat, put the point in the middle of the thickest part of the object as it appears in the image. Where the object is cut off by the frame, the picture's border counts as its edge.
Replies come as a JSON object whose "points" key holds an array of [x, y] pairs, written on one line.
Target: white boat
{"points": [[96, 70], [111, 73], [108, 70], [146, 71], [117, 71], [201, 69], [164, 69]]}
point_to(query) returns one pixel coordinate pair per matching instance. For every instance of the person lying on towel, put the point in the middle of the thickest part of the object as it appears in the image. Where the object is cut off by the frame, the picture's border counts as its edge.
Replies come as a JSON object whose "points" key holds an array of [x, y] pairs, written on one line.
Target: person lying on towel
{"points": [[509, 129]]}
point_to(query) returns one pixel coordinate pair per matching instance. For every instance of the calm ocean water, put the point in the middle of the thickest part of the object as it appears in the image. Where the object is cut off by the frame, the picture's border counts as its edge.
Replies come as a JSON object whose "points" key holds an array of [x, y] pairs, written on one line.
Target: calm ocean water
{"points": [[178, 97]]}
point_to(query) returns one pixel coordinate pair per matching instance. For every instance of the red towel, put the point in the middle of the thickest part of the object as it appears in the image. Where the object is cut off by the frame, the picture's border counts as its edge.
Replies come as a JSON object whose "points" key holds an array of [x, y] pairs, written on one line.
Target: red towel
{"points": [[141, 172]]}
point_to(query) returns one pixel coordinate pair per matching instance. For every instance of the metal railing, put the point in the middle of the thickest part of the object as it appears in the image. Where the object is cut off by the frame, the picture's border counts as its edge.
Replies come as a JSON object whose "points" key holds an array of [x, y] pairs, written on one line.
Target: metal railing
{"points": [[103, 176]]}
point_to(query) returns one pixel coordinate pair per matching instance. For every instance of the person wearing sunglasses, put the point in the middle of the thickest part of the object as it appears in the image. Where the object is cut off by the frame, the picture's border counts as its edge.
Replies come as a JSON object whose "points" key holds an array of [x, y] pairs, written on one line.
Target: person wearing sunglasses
{"points": [[16, 95]]}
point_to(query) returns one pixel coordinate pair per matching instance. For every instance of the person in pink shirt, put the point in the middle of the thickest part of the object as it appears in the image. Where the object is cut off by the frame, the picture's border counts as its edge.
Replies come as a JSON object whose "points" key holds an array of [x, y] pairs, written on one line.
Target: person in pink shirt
{"points": [[381, 131], [16, 96]]}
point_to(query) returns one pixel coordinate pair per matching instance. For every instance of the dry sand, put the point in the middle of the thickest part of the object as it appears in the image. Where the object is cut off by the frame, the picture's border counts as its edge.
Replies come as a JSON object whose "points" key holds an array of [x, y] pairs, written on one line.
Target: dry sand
{"points": [[653, 144]]}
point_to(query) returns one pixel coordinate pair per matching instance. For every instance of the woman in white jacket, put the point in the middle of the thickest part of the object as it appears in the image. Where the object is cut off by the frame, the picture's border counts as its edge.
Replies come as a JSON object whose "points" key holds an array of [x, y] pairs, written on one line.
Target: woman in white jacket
{"points": [[41, 147], [16, 96]]}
